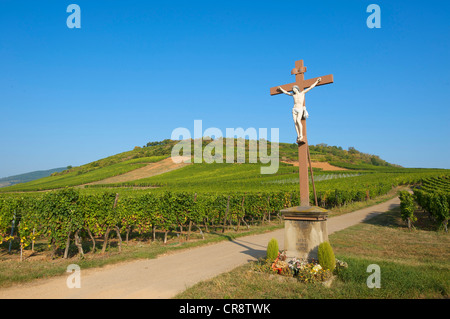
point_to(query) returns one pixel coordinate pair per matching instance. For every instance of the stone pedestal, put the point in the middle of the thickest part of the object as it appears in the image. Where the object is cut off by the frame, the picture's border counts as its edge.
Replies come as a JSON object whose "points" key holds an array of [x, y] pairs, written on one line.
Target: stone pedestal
{"points": [[305, 228]]}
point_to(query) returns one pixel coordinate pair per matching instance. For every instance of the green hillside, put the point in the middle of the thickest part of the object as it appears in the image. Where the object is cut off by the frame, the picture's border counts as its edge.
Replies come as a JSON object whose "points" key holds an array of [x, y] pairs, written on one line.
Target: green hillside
{"points": [[27, 177], [78, 176], [156, 151]]}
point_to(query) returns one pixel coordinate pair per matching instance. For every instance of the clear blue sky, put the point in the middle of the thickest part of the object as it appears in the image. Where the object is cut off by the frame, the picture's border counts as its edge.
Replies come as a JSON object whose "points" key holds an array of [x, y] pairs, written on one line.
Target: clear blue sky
{"points": [[136, 70]]}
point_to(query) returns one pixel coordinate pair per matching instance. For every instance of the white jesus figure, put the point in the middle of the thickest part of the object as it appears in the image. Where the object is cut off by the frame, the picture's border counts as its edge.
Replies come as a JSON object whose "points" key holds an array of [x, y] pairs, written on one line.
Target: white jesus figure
{"points": [[299, 110]]}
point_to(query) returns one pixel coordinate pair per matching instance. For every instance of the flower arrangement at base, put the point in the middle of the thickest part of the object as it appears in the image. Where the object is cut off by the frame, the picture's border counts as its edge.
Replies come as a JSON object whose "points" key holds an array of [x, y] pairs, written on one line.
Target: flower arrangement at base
{"points": [[281, 266], [340, 266], [309, 271], [306, 271]]}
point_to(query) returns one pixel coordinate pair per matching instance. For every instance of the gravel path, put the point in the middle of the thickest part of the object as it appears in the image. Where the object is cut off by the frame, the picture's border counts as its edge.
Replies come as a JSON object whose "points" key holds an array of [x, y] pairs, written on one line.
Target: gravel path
{"points": [[170, 274]]}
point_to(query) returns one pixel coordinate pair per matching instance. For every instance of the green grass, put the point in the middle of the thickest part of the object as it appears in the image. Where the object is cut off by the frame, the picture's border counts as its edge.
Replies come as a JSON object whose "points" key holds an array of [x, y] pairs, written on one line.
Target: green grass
{"points": [[414, 264], [397, 282]]}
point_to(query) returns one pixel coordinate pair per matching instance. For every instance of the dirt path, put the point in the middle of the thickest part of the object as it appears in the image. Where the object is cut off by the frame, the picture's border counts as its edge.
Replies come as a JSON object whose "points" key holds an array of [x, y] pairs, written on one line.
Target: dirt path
{"points": [[168, 275], [151, 169]]}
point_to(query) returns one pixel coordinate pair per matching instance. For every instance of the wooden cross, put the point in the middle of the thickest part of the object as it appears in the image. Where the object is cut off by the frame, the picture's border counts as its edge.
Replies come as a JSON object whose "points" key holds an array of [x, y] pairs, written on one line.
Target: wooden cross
{"points": [[299, 71]]}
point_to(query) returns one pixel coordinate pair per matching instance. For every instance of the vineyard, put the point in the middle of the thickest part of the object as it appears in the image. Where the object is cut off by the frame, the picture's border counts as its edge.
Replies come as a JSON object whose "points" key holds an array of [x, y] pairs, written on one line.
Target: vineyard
{"points": [[65, 215], [190, 201], [87, 216], [226, 178], [139, 157], [433, 196]]}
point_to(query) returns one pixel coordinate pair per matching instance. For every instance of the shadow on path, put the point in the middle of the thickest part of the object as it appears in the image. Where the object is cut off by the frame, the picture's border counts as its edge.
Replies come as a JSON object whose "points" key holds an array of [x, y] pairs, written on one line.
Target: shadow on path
{"points": [[383, 218], [255, 253]]}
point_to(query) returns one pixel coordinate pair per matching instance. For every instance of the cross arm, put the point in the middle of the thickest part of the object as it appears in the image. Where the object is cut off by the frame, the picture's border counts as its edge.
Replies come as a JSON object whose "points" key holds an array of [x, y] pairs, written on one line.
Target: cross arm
{"points": [[327, 79]]}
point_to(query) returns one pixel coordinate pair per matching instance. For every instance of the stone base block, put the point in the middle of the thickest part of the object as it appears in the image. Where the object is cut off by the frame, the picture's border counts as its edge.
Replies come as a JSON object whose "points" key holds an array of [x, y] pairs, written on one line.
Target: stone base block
{"points": [[305, 229]]}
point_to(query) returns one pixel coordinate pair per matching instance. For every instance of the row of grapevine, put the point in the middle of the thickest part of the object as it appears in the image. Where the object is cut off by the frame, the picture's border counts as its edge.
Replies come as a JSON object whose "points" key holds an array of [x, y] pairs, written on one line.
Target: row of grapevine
{"points": [[436, 203], [338, 192], [66, 215], [433, 196], [407, 207]]}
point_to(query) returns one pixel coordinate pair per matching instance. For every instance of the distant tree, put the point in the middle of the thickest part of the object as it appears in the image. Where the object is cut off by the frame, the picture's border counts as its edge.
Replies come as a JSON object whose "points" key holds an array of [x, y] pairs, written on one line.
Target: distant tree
{"points": [[164, 142], [375, 160]]}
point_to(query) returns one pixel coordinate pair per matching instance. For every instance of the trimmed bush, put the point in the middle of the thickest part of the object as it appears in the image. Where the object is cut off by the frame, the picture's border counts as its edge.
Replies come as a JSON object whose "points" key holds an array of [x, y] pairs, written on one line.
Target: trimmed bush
{"points": [[326, 256], [272, 249]]}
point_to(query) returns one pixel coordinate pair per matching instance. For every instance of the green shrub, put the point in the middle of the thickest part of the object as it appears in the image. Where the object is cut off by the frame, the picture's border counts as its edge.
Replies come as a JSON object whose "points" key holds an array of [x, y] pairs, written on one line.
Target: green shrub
{"points": [[326, 256], [272, 249]]}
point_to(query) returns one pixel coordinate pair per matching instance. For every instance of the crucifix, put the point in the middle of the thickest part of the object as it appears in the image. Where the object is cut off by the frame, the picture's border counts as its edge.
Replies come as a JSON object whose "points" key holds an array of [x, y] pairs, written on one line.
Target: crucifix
{"points": [[299, 88]]}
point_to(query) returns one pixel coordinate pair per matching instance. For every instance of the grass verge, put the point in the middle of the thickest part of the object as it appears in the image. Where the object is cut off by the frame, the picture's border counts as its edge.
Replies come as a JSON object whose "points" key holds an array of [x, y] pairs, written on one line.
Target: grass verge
{"points": [[414, 264]]}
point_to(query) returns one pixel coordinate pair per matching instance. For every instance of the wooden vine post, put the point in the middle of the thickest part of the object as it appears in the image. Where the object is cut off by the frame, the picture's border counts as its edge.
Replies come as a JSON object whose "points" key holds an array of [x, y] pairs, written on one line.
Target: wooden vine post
{"points": [[226, 215], [108, 230]]}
